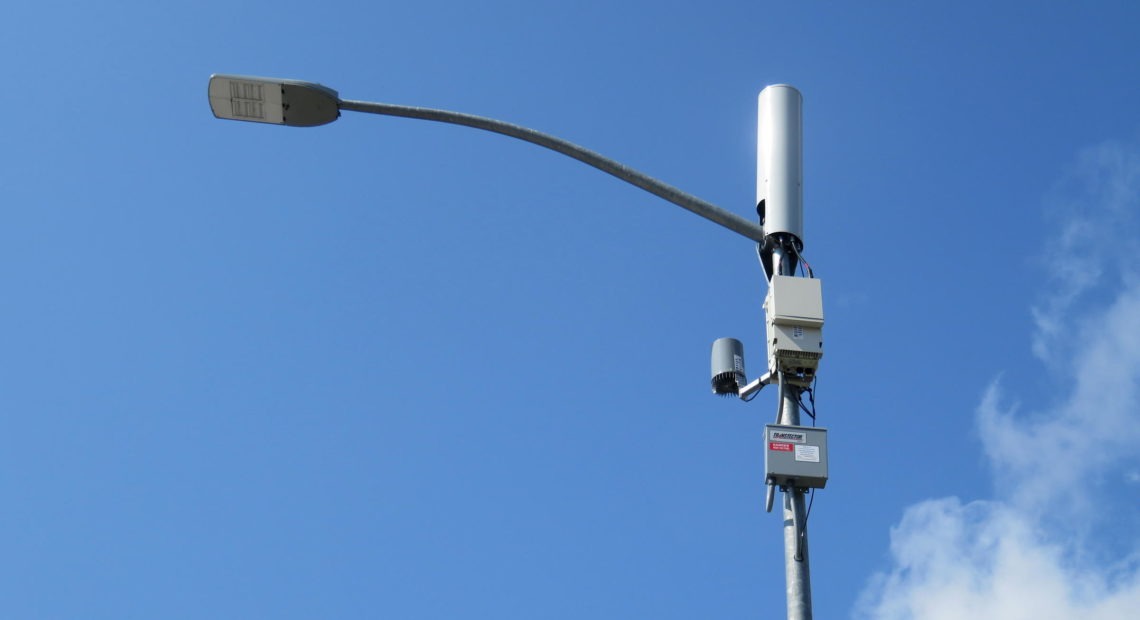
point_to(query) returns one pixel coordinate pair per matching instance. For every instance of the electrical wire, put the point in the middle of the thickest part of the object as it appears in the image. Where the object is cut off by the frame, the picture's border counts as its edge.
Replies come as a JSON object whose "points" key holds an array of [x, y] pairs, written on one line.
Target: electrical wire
{"points": [[804, 262], [810, 391], [802, 539], [804, 408], [811, 397]]}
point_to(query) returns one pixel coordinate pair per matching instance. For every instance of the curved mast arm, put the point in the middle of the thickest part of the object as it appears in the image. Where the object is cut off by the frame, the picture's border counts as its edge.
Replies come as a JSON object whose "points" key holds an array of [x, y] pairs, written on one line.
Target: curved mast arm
{"points": [[682, 199]]}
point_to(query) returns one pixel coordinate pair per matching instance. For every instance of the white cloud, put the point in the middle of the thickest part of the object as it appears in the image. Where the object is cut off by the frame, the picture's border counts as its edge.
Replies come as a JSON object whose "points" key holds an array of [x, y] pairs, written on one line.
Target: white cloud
{"points": [[1094, 211], [1043, 456], [987, 560], [1024, 556]]}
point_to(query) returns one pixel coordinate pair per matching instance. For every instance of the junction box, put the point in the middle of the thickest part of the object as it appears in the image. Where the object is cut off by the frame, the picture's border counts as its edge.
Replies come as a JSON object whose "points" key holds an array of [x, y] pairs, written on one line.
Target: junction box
{"points": [[793, 313], [795, 456]]}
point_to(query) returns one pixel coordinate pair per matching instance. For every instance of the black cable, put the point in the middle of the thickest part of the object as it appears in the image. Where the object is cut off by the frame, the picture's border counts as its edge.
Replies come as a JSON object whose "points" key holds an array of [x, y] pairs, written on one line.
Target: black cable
{"points": [[803, 530], [811, 398], [810, 412], [801, 259], [811, 272]]}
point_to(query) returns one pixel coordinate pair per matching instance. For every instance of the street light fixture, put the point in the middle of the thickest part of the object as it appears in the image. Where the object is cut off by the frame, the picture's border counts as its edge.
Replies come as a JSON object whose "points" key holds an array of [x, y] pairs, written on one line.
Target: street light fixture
{"points": [[278, 102], [305, 104], [796, 458]]}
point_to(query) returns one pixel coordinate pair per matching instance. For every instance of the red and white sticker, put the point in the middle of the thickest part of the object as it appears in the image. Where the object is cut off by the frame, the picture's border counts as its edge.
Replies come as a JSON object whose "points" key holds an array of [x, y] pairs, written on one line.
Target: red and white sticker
{"points": [[779, 447]]}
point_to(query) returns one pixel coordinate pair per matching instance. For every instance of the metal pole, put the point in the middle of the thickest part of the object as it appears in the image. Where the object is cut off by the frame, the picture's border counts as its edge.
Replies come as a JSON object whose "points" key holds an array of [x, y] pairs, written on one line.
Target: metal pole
{"points": [[797, 570], [779, 186]]}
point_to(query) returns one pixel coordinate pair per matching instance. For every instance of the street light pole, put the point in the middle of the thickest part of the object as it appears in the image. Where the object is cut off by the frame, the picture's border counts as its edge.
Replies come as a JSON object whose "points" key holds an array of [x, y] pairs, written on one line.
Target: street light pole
{"points": [[797, 569], [779, 239], [779, 191]]}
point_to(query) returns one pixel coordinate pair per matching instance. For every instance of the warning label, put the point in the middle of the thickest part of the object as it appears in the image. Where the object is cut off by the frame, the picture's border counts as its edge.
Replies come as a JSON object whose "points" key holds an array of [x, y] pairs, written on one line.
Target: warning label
{"points": [[780, 447]]}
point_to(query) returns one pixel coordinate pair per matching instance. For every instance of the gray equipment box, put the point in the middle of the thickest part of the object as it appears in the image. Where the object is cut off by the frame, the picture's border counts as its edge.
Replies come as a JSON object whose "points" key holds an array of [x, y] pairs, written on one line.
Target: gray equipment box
{"points": [[794, 320], [796, 456]]}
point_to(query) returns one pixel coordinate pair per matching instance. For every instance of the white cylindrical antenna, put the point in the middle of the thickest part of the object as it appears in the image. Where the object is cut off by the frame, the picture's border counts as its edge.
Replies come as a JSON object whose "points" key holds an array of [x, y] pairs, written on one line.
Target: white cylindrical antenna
{"points": [[779, 165]]}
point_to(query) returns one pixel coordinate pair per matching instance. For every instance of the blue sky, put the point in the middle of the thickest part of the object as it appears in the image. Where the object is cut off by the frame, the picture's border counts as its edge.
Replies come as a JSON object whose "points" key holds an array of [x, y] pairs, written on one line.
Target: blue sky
{"points": [[386, 368]]}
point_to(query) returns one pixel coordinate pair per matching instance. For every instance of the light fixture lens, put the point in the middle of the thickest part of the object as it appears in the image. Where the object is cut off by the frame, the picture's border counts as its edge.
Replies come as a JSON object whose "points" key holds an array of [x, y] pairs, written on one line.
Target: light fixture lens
{"points": [[246, 100]]}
